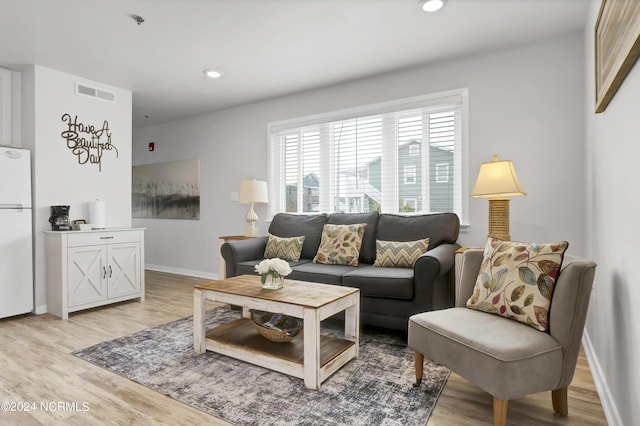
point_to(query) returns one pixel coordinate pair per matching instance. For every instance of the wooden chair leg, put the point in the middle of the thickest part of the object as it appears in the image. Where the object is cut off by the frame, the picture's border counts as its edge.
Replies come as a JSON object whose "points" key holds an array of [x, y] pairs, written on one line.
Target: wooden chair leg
{"points": [[419, 363], [500, 411], [559, 401]]}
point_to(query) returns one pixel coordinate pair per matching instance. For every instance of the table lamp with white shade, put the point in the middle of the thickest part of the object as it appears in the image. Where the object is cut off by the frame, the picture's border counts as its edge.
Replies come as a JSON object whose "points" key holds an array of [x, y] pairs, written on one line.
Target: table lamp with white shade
{"points": [[497, 180], [252, 191]]}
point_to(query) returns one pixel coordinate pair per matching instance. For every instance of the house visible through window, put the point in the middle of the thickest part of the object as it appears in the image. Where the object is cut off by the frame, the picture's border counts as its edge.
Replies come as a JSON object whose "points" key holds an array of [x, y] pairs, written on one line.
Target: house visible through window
{"points": [[400, 156]]}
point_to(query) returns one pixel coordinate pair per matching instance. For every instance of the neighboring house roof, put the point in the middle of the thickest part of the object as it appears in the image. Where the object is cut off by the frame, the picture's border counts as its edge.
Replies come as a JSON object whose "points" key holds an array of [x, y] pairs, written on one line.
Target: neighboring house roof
{"points": [[311, 181], [356, 187]]}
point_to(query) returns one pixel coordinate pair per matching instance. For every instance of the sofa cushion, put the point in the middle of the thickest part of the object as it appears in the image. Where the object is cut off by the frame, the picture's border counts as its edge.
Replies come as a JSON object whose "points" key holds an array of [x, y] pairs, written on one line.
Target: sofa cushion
{"points": [[284, 248], [399, 254], [516, 280], [292, 225], [319, 273], [390, 283], [340, 244], [368, 246], [439, 228]]}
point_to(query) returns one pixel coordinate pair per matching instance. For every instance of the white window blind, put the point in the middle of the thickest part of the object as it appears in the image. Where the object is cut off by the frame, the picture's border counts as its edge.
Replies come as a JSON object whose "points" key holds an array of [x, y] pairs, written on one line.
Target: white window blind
{"points": [[403, 156]]}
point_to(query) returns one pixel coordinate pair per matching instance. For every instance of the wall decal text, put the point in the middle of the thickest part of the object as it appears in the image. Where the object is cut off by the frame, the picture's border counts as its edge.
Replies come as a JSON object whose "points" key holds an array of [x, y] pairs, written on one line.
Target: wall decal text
{"points": [[87, 142]]}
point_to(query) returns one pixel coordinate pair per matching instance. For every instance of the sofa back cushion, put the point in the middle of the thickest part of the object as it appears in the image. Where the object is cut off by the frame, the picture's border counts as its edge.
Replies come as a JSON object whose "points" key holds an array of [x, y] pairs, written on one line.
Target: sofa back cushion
{"points": [[439, 228], [368, 245], [286, 225]]}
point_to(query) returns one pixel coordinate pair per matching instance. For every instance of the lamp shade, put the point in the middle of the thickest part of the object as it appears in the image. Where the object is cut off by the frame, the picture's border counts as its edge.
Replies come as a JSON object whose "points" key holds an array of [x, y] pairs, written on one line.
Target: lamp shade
{"points": [[253, 191], [497, 179]]}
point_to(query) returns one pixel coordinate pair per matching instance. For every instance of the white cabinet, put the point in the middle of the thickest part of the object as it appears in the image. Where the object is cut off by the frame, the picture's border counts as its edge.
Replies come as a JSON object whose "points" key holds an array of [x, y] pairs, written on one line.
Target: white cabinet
{"points": [[93, 268], [10, 105]]}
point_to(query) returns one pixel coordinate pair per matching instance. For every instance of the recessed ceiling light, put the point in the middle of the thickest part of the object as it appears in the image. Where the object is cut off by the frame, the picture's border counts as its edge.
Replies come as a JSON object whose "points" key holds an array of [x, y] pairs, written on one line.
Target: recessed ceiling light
{"points": [[432, 5], [212, 73]]}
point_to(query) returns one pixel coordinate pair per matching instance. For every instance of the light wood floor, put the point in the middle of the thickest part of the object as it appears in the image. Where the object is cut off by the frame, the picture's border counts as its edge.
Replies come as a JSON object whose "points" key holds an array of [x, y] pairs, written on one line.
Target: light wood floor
{"points": [[36, 366]]}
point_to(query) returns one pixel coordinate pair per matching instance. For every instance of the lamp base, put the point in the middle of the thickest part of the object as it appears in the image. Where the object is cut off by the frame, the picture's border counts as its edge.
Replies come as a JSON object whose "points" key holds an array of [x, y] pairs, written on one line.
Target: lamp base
{"points": [[251, 230], [499, 219]]}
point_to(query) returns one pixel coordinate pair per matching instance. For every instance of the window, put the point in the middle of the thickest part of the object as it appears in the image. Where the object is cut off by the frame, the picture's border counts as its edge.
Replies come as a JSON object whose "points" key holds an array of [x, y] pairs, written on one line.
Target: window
{"points": [[442, 172], [409, 174], [400, 156], [408, 205]]}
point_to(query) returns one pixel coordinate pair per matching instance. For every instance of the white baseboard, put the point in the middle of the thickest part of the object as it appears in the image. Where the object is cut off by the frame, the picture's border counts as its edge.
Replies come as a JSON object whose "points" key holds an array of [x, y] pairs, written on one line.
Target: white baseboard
{"points": [[180, 271], [606, 399]]}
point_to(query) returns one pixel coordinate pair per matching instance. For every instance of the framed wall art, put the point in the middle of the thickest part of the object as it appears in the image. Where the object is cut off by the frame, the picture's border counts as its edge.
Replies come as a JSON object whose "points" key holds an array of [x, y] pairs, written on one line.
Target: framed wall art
{"points": [[168, 190], [617, 46]]}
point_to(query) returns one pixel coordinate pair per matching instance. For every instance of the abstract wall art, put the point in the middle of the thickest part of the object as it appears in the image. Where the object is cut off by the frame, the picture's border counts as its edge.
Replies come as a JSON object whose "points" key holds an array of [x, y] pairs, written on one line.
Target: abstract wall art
{"points": [[168, 190]]}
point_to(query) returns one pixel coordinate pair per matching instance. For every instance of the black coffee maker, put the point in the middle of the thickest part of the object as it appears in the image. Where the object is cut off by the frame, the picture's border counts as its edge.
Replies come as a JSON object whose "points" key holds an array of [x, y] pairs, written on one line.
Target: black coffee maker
{"points": [[59, 218]]}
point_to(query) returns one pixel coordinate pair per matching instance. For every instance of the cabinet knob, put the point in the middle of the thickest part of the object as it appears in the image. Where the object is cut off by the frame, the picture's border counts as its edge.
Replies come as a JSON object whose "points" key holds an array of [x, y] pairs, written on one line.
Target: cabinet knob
{"points": [[106, 238]]}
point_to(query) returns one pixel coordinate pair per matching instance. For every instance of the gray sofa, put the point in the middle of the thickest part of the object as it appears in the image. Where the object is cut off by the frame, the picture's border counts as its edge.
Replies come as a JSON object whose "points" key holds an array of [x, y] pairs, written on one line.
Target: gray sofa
{"points": [[389, 296]]}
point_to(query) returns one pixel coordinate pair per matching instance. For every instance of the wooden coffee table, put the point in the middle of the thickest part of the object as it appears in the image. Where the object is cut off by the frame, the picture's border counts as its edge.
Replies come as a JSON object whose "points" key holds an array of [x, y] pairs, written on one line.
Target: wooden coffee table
{"points": [[313, 357]]}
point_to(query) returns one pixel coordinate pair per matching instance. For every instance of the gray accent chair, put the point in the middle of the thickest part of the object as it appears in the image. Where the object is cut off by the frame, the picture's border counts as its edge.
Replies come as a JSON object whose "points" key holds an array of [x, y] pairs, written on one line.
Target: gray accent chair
{"points": [[504, 357]]}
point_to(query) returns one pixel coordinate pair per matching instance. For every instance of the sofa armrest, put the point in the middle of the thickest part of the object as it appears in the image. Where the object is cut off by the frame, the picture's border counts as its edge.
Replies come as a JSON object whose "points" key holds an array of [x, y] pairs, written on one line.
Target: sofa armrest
{"points": [[237, 251], [436, 262], [433, 269]]}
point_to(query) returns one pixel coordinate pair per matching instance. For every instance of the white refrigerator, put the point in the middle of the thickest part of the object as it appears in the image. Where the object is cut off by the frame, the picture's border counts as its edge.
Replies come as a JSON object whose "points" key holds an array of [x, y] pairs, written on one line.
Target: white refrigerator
{"points": [[16, 254]]}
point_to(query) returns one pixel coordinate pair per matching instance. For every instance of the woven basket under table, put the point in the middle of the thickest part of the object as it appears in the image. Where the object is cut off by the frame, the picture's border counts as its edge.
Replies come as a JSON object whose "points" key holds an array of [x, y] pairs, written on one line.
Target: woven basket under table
{"points": [[258, 318]]}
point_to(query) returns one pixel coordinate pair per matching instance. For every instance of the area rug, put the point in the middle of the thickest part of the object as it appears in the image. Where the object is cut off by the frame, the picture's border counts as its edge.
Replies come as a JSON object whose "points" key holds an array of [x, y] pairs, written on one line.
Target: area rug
{"points": [[374, 389]]}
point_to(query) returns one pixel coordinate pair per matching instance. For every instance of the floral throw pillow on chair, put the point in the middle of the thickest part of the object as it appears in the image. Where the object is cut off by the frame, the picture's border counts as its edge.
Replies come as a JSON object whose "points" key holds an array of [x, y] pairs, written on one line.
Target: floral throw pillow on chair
{"points": [[516, 280]]}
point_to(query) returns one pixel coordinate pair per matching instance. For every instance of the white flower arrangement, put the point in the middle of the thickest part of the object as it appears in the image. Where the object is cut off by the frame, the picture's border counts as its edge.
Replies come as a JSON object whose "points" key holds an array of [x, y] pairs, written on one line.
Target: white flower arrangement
{"points": [[275, 267]]}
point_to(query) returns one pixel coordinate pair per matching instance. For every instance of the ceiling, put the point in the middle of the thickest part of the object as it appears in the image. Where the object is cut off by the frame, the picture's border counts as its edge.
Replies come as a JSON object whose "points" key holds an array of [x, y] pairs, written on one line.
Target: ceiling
{"points": [[265, 48]]}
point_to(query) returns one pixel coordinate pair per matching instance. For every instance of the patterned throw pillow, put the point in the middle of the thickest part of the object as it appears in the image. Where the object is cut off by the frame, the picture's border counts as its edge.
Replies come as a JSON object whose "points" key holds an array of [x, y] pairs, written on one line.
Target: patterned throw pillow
{"points": [[340, 244], [284, 248], [516, 280], [399, 254]]}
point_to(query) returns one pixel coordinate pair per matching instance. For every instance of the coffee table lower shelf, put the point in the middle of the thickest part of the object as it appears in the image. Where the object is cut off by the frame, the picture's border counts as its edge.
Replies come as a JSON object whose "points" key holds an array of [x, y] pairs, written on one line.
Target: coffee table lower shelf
{"points": [[239, 339]]}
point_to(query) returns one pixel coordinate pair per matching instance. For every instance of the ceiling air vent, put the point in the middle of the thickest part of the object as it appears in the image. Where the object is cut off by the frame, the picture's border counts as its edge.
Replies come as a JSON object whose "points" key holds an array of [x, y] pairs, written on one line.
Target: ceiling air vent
{"points": [[93, 92]]}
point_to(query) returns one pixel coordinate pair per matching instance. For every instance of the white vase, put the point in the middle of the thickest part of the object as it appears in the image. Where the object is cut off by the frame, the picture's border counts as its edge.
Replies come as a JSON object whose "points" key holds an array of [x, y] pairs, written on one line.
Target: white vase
{"points": [[273, 282]]}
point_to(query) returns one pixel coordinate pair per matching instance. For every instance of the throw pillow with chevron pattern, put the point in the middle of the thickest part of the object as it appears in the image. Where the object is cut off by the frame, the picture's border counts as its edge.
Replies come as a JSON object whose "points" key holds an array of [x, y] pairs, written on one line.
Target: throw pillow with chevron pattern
{"points": [[284, 248], [399, 254]]}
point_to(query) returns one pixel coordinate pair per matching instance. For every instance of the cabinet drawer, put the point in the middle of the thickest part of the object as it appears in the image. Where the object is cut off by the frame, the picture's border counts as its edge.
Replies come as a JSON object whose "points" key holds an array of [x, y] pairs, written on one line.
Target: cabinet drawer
{"points": [[95, 238]]}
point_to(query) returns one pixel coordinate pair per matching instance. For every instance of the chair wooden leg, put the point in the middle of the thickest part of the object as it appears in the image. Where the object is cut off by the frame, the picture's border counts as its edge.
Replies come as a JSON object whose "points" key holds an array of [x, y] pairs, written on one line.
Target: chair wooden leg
{"points": [[559, 401], [419, 363], [500, 411]]}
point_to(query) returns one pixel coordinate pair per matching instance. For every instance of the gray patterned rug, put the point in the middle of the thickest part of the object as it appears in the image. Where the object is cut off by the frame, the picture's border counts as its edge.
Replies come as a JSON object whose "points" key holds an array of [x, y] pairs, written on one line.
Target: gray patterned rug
{"points": [[374, 389]]}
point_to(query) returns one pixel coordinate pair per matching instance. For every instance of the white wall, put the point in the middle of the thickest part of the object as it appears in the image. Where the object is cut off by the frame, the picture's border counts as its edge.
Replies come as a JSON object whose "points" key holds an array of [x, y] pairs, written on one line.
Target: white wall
{"points": [[526, 104], [59, 179], [612, 337]]}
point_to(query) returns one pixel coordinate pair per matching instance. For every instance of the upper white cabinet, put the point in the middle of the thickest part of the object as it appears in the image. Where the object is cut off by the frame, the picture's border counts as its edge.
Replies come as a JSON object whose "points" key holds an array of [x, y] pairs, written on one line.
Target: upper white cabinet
{"points": [[88, 269], [10, 101]]}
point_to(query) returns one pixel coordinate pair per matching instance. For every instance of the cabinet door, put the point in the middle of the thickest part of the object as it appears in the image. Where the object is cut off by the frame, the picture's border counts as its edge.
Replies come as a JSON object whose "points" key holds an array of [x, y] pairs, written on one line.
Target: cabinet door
{"points": [[5, 107], [87, 275], [124, 269]]}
